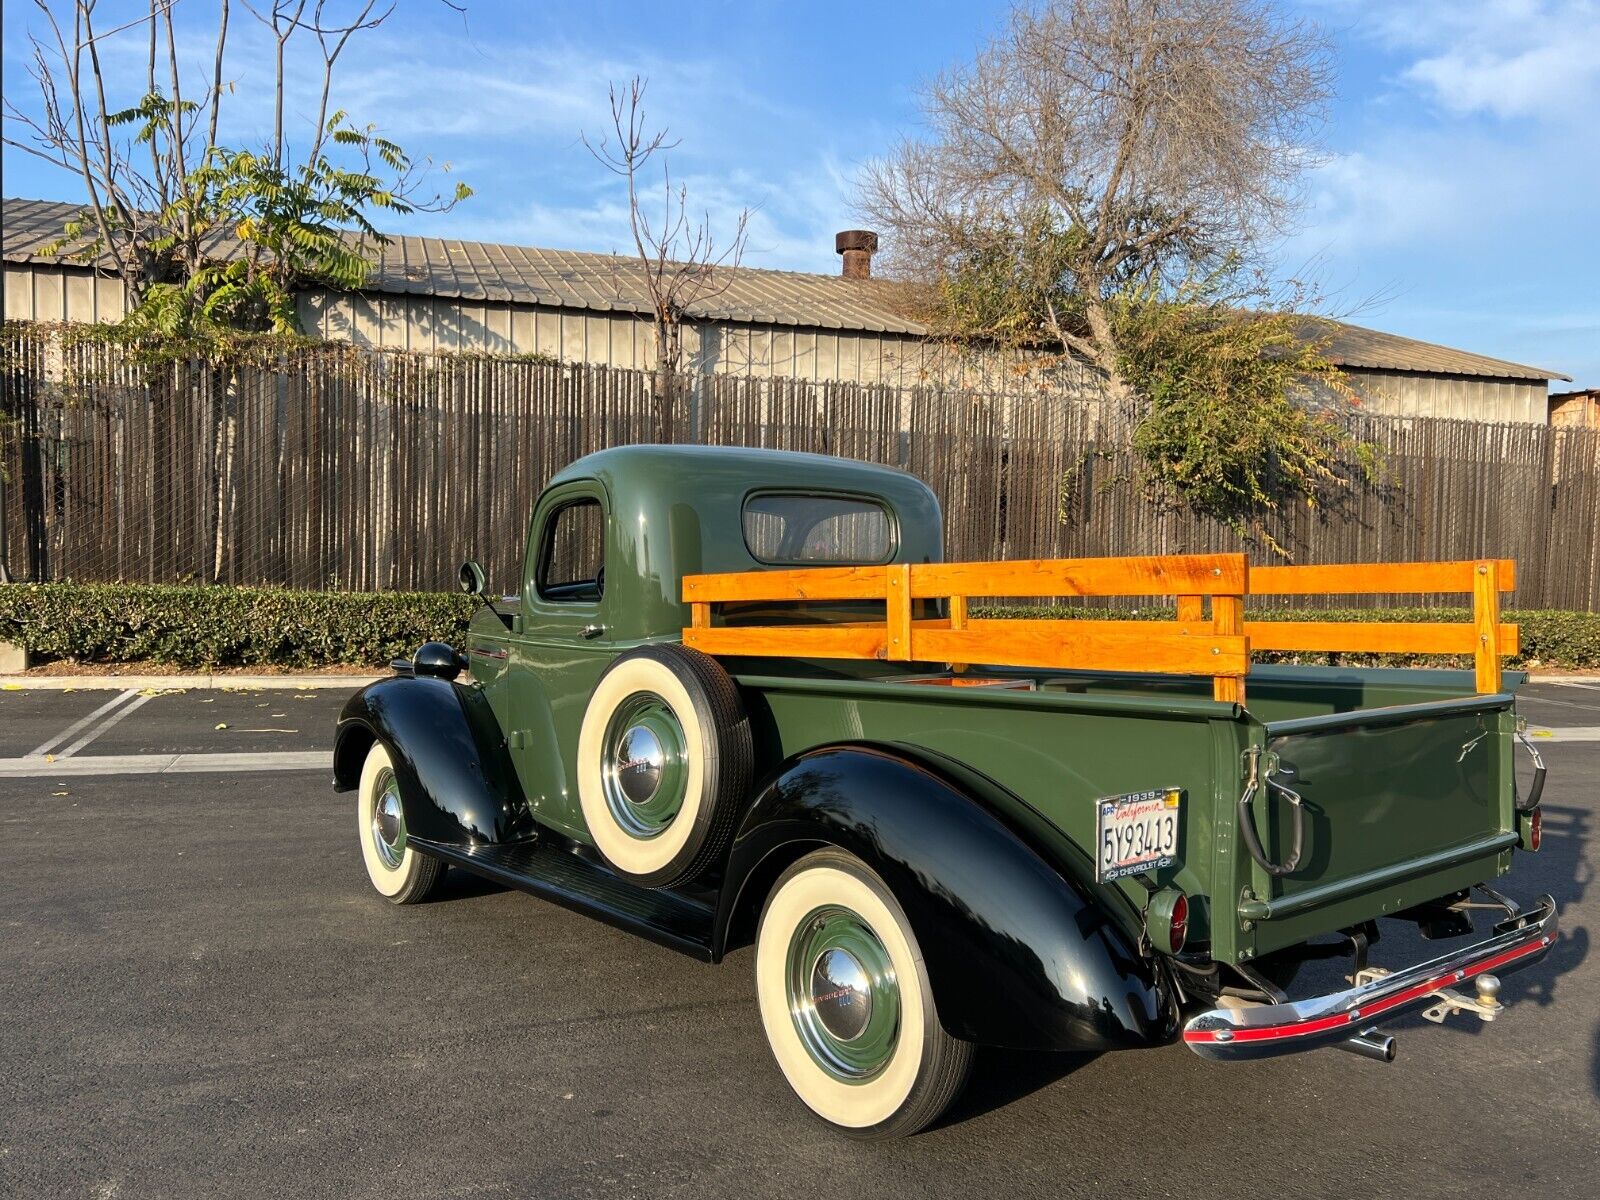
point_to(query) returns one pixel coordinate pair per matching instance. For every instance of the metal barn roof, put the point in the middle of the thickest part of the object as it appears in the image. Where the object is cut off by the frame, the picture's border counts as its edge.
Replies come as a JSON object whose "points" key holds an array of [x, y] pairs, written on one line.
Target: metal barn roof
{"points": [[570, 279]]}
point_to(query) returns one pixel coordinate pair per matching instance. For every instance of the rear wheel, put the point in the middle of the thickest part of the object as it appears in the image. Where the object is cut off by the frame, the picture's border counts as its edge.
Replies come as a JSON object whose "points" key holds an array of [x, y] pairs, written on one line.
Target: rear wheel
{"points": [[846, 1002], [398, 871]]}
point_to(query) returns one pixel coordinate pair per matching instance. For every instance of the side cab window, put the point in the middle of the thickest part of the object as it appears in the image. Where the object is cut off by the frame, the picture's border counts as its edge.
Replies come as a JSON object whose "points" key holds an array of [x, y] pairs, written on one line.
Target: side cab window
{"points": [[572, 555], [566, 578]]}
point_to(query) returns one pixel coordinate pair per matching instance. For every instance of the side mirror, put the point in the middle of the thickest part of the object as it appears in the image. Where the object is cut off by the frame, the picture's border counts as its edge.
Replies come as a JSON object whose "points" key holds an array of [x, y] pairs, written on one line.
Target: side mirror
{"points": [[473, 580]]}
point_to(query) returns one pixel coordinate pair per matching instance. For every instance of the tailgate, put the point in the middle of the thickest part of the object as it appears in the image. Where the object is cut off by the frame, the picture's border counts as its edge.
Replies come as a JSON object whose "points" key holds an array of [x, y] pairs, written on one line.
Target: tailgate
{"points": [[1401, 805]]}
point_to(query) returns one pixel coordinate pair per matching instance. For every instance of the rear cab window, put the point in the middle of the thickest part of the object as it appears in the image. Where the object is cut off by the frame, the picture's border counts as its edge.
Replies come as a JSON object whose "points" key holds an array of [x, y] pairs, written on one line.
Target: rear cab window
{"points": [[798, 529]]}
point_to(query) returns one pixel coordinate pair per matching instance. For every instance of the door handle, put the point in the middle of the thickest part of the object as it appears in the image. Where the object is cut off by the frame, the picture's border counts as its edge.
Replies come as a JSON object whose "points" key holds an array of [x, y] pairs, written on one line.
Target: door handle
{"points": [[589, 632]]}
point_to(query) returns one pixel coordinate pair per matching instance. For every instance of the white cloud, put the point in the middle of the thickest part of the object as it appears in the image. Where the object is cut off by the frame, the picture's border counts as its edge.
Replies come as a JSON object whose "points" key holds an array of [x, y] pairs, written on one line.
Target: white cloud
{"points": [[1509, 59], [1462, 189], [791, 225]]}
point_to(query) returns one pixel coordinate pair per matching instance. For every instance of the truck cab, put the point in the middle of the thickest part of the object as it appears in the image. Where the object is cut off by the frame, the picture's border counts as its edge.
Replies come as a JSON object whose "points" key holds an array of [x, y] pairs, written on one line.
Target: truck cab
{"points": [[609, 543]]}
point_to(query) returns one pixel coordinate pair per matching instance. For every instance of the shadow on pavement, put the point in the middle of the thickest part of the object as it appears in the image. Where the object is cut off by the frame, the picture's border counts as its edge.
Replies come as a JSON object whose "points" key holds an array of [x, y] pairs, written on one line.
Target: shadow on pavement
{"points": [[461, 885], [1564, 868], [1001, 1077]]}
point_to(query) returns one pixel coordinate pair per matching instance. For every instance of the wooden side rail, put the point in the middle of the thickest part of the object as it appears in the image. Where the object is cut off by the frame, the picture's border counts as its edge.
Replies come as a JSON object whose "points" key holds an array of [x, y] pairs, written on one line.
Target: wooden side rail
{"points": [[1487, 639], [1217, 647], [1217, 644]]}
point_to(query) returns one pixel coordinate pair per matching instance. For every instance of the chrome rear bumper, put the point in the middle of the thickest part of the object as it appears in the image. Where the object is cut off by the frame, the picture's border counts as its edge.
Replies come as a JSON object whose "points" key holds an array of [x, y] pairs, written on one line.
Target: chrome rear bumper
{"points": [[1235, 1035]]}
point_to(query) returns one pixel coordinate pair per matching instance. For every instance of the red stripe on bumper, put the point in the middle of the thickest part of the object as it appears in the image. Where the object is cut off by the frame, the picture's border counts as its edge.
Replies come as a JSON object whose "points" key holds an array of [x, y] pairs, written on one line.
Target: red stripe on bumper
{"points": [[1367, 1014]]}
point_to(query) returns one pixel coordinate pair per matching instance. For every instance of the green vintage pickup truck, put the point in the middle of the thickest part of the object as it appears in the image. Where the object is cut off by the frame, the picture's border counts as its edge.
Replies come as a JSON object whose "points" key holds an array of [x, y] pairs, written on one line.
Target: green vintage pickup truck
{"points": [[739, 696]]}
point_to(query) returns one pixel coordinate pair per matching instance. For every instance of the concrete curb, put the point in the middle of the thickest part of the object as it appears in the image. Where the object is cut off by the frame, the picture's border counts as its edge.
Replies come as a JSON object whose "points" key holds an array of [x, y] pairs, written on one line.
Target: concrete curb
{"points": [[81, 683], [166, 764]]}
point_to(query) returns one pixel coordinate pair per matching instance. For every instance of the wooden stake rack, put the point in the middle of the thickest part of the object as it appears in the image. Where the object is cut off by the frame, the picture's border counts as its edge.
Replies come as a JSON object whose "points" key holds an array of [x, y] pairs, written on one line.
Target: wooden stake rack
{"points": [[1209, 635]]}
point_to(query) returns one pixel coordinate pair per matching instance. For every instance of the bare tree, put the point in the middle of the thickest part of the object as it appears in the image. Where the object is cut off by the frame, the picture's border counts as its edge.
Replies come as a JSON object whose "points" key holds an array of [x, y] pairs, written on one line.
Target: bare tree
{"points": [[161, 192], [1101, 145], [682, 263]]}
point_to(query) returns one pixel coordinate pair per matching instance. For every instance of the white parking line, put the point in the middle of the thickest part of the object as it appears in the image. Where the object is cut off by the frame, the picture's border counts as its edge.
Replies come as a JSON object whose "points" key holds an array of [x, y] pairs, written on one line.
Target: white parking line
{"points": [[163, 764], [1580, 733], [81, 724], [96, 730]]}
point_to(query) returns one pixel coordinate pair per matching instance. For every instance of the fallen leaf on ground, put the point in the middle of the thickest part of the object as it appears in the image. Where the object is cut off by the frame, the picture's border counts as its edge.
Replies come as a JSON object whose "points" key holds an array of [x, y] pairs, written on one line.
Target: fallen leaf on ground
{"points": [[220, 725]]}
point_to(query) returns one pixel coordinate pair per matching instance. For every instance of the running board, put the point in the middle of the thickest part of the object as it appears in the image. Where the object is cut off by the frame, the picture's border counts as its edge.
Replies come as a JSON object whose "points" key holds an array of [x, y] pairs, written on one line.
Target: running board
{"points": [[558, 875]]}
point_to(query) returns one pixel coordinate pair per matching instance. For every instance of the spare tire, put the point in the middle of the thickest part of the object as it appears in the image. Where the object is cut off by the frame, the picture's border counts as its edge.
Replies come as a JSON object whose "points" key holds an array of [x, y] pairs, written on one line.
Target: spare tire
{"points": [[664, 763]]}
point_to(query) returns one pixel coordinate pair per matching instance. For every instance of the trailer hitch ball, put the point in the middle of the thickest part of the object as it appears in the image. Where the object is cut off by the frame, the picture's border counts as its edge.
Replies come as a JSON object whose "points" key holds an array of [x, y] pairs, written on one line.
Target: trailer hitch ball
{"points": [[1489, 990]]}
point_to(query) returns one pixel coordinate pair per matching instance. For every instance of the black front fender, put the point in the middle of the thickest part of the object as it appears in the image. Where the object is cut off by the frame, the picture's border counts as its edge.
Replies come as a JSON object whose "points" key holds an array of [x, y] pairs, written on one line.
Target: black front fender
{"points": [[457, 783], [1020, 951]]}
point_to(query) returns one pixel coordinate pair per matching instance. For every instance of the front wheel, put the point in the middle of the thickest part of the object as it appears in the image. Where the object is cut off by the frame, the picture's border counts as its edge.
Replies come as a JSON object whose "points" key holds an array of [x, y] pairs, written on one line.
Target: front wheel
{"points": [[846, 1002], [396, 869]]}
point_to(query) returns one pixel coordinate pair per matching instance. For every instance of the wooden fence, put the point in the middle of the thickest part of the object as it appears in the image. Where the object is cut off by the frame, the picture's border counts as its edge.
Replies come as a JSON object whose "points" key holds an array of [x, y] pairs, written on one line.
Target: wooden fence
{"points": [[341, 468]]}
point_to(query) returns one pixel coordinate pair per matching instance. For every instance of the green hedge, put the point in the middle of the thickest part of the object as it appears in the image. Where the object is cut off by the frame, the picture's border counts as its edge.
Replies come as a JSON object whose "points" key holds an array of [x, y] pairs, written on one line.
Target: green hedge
{"points": [[223, 626]]}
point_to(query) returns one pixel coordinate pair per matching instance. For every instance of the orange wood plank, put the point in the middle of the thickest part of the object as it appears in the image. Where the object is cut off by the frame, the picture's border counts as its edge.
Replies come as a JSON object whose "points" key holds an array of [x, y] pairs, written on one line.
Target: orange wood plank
{"points": [[1390, 637], [700, 615], [1486, 623], [1084, 645], [958, 620], [898, 608], [1191, 608], [1368, 578], [804, 583], [791, 641], [1227, 620], [1151, 575]]}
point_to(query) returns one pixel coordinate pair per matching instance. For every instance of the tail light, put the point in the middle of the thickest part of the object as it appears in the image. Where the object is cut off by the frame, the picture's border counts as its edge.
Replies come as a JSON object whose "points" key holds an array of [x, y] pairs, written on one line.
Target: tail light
{"points": [[1532, 829], [1166, 920]]}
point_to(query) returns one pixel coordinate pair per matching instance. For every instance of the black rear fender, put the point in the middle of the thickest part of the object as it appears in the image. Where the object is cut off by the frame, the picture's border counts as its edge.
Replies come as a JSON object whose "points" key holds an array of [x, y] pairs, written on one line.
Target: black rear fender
{"points": [[457, 783], [1021, 951]]}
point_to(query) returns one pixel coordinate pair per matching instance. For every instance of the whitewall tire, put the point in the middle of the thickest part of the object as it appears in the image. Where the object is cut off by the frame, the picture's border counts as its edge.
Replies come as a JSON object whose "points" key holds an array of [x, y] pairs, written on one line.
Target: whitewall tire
{"points": [[664, 763], [397, 870], [846, 1002]]}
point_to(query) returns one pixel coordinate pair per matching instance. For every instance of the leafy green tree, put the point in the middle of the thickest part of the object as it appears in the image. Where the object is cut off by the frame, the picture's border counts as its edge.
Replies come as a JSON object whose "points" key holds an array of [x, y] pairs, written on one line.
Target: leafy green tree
{"points": [[1100, 184], [205, 236]]}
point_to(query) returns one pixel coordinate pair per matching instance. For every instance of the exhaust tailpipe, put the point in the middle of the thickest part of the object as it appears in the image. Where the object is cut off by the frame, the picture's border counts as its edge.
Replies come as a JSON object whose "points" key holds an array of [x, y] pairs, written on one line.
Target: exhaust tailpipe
{"points": [[1369, 1043]]}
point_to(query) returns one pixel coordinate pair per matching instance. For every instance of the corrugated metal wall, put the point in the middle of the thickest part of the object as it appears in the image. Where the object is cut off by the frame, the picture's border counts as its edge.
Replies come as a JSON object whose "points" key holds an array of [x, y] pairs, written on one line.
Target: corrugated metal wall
{"points": [[1460, 397], [61, 294], [430, 324]]}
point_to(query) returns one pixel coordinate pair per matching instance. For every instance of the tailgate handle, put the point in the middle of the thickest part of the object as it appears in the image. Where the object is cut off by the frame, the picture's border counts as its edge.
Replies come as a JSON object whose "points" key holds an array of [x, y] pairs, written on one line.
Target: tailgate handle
{"points": [[1255, 777], [1535, 789]]}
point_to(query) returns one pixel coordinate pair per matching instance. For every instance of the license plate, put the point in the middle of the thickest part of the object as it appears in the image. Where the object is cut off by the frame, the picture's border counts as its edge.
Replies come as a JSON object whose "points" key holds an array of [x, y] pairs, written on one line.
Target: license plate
{"points": [[1137, 833]]}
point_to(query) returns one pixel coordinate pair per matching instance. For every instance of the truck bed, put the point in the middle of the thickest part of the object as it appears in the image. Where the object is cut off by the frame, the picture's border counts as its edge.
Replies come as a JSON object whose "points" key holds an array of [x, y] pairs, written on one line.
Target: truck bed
{"points": [[1405, 775]]}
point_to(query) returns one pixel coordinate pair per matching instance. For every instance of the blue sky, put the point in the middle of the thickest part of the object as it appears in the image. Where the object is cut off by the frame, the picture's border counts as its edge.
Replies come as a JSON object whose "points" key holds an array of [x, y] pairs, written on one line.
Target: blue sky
{"points": [[1460, 204]]}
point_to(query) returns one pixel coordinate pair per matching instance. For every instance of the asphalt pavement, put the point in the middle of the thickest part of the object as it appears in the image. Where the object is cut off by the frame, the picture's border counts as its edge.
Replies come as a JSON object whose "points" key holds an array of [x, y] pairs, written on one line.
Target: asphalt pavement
{"points": [[200, 995]]}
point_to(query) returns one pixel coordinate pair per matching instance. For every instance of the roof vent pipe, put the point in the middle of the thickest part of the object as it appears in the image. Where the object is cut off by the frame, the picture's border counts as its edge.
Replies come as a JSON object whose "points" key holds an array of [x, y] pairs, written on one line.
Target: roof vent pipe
{"points": [[858, 247]]}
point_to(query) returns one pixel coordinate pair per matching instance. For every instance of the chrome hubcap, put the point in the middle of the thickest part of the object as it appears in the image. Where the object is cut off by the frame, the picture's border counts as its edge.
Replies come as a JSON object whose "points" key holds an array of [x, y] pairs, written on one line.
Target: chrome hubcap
{"points": [[389, 822], [639, 763], [645, 769], [841, 994], [844, 998]]}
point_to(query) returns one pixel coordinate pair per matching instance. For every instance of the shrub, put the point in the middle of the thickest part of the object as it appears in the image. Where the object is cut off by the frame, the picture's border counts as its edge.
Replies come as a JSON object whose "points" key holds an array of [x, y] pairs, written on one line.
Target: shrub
{"points": [[202, 626], [207, 626]]}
